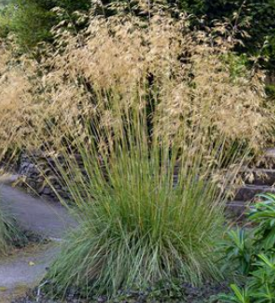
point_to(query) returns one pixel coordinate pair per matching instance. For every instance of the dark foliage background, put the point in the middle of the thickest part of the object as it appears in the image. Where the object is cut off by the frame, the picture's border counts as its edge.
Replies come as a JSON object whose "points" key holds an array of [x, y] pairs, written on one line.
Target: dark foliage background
{"points": [[31, 20]]}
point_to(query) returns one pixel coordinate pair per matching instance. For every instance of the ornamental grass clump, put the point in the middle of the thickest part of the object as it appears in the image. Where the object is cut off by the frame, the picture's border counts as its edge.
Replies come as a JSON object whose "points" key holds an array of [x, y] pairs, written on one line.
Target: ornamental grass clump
{"points": [[9, 234], [149, 211], [151, 158], [3, 235]]}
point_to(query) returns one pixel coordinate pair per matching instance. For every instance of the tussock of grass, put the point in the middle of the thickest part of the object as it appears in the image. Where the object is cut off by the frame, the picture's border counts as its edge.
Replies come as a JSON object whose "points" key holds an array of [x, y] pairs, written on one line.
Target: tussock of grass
{"points": [[9, 234], [3, 236], [139, 227]]}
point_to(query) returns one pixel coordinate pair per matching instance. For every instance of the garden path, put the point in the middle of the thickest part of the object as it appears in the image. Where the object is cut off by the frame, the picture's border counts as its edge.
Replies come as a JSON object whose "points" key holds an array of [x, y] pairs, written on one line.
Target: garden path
{"points": [[27, 267], [46, 218]]}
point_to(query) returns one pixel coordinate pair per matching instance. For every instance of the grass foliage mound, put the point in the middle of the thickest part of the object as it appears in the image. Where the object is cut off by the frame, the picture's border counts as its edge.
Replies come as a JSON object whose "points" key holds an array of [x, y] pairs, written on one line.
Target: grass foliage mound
{"points": [[140, 225], [9, 234], [158, 139]]}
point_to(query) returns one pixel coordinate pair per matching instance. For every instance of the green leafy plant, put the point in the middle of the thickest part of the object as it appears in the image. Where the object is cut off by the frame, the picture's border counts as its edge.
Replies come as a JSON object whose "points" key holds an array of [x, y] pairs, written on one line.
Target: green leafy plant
{"points": [[28, 21], [255, 262], [238, 251], [263, 214], [239, 295], [270, 91], [260, 286]]}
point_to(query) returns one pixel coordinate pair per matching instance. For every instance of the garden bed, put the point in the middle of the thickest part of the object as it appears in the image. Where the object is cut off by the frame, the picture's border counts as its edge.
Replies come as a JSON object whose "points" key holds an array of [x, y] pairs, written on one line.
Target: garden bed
{"points": [[184, 293]]}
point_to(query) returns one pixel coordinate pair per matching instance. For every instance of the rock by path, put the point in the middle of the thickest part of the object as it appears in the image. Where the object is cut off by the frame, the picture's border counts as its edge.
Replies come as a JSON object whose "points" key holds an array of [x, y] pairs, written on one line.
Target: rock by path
{"points": [[26, 268]]}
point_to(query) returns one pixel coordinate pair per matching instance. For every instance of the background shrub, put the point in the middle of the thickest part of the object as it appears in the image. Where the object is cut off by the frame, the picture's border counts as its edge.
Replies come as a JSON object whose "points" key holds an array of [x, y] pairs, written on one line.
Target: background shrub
{"points": [[30, 21]]}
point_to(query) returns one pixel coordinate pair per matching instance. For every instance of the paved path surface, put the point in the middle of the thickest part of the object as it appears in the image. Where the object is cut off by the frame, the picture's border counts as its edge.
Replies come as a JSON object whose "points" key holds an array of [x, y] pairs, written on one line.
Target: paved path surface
{"points": [[24, 270], [27, 267], [46, 218]]}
